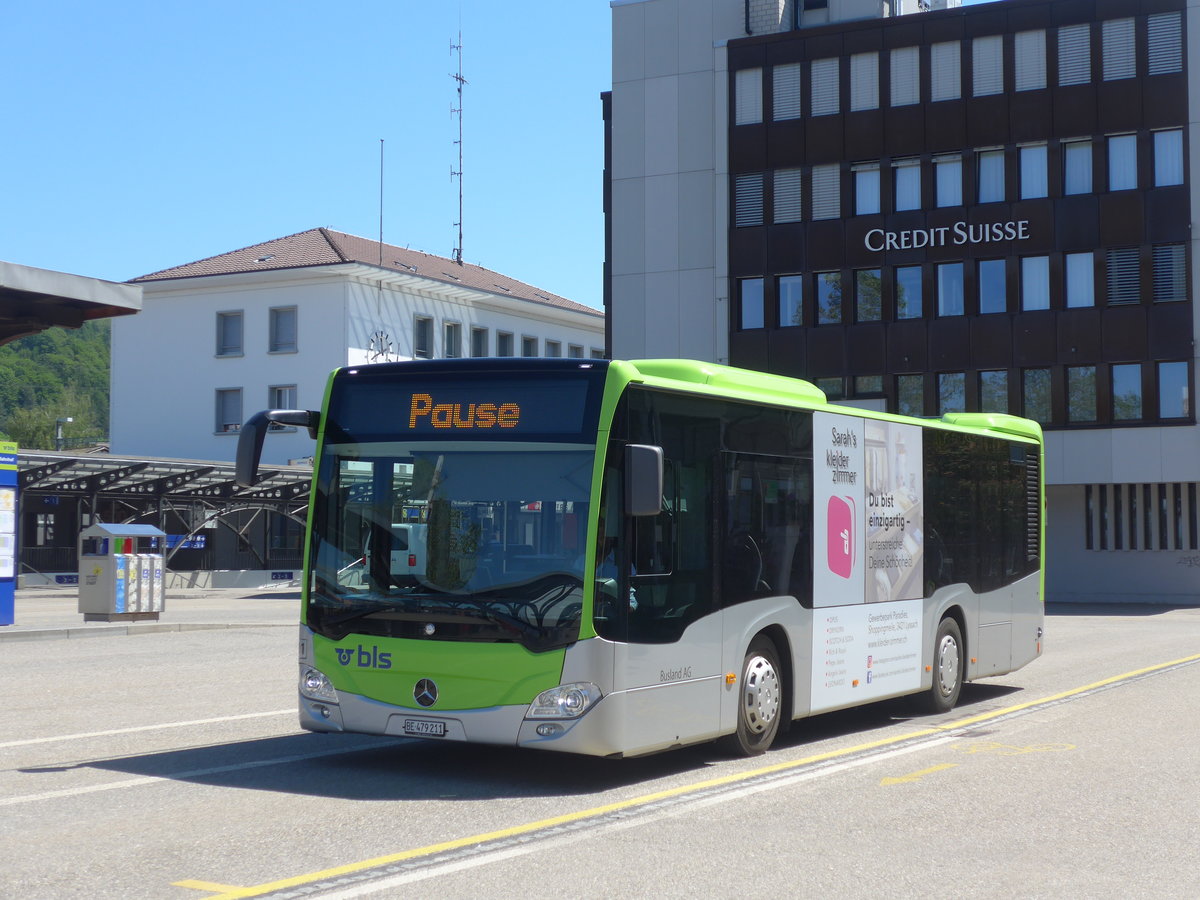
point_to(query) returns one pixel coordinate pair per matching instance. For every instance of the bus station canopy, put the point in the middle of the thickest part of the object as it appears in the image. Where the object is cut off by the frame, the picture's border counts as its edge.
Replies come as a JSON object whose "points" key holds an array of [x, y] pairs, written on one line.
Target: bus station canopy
{"points": [[32, 300]]}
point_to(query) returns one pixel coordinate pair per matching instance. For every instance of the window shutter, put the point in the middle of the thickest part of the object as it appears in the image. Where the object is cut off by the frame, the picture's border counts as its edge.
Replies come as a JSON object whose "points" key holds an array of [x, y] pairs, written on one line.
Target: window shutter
{"points": [[1074, 55], [1119, 54], [748, 102], [1123, 278], [787, 195], [786, 91], [906, 76], [864, 81], [945, 69], [1170, 269], [748, 200], [1165, 39], [826, 99], [826, 195], [1030, 58], [988, 57]]}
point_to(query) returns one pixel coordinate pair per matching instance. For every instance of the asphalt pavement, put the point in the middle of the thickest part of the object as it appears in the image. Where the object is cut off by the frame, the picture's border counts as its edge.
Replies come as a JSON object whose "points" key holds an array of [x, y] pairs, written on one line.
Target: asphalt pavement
{"points": [[53, 612]]}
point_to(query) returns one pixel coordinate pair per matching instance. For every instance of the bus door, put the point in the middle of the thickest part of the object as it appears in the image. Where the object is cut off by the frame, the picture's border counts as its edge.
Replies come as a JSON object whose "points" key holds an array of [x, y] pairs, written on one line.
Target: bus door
{"points": [[668, 658]]}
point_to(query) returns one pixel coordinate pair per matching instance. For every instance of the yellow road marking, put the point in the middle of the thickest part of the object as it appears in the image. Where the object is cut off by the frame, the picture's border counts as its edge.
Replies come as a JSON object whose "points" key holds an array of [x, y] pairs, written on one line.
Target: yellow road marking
{"points": [[235, 893], [917, 776], [207, 886]]}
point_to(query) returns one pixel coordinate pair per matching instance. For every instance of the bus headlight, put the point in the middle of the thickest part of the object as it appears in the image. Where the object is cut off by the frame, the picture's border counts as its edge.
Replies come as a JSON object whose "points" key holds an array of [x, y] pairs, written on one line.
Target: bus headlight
{"points": [[315, 686], [567, 701]]}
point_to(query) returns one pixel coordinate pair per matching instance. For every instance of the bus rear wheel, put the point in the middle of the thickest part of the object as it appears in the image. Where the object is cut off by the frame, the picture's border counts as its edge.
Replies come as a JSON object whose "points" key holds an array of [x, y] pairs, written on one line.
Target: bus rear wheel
{"points": [[760, 701], [947, 668]]}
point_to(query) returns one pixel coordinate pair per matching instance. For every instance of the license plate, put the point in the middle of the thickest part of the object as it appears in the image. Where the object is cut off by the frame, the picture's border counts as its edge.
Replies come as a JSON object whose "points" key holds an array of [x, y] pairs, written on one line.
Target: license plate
{"points": [[424, 728]]}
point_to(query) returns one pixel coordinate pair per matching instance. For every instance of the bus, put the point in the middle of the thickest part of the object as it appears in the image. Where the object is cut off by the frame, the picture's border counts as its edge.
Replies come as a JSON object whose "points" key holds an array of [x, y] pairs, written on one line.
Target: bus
{"points": [[623, 557]]}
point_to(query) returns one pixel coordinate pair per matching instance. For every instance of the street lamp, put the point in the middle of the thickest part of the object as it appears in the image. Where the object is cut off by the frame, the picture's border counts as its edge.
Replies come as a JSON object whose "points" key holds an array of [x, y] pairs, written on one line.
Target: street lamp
{"points": [[58, 431]]}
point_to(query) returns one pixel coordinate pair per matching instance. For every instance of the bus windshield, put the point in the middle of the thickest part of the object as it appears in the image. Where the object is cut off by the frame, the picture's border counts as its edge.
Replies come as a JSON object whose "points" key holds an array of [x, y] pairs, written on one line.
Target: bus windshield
{"points": [[451, 541]]}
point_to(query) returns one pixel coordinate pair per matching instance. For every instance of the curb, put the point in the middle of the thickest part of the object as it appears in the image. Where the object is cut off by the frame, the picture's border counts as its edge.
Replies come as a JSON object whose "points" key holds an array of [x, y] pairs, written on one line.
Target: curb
{"points": [[94, 631]]}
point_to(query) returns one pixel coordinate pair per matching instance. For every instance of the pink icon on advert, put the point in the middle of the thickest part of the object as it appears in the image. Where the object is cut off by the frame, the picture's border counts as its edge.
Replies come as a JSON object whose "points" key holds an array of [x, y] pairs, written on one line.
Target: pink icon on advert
{"points": [[839, 542]]}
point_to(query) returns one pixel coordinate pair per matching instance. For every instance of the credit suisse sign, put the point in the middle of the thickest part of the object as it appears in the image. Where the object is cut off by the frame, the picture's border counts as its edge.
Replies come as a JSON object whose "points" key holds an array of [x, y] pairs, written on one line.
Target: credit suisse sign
{"points": [[878, 240]]}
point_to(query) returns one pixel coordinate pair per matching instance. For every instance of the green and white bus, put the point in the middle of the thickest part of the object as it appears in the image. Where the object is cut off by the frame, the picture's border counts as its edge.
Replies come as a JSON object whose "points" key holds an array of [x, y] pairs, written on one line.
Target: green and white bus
{"points": [[618, 558]]}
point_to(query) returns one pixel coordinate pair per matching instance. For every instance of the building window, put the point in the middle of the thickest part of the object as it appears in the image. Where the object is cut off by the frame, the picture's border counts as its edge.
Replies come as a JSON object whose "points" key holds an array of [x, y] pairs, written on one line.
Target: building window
{"points": [[1081, 393], [868, 385], [1168, 157], [1033, 172], [785, 91], [1074, 54], [906, 176], [864, 81], [574, 351], [950, 289], [748, 200], [1122, 162], [1118, 56], [826, 99], [529, 346], [987, 54], [1127, 392], [597, 353], [1029, 55], [990, 175], [283, 329], [451, 340], [748, 105], [479, 342], [866, 188], [829, 298], [1035, 394], [906, 76], [910, 395], [750, 307], [1035, 282], [281, 396], [945, 71], [909, 303], [553, 349], [229, 334], [868, 306], [791, 305], [1081, 280], [1124, 281], [952, 392], [1170, 273], [948, 180], [993, 391], [993, 290], [1077, 167], [833, 388], [787, 196], [504, 343], [1164, 35], [423, 338], [826, 192], [229, 410], [1173, 396]]}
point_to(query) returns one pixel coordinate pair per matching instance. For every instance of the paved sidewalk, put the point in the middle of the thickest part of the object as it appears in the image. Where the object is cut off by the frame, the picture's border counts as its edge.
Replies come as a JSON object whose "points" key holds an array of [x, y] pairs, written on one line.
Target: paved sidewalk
{"points": [[43, 613]]}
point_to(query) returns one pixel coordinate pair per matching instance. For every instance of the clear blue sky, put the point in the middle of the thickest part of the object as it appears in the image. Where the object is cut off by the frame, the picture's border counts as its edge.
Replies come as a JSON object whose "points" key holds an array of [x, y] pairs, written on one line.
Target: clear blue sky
{"points": [[143, 135]]}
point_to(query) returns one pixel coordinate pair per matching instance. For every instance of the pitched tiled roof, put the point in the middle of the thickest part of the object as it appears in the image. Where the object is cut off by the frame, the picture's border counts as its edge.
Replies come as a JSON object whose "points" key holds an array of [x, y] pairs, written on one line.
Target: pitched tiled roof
{"points": [[323, 247]]}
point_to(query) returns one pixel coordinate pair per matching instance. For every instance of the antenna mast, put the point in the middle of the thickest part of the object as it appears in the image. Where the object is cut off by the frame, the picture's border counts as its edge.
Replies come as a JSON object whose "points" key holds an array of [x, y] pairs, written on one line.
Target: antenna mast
{"points": [[457, 111]]}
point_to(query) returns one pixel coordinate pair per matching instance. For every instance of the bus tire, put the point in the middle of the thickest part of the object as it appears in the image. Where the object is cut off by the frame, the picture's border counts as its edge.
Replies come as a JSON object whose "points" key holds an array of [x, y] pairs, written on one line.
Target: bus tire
{"points": [[760, 701], [948, 667]]}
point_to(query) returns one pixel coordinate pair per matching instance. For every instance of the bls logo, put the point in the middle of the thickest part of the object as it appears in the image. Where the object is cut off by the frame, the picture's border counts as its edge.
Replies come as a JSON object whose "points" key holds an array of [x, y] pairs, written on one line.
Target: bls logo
{"points": [[839, 541], [363, 658]]}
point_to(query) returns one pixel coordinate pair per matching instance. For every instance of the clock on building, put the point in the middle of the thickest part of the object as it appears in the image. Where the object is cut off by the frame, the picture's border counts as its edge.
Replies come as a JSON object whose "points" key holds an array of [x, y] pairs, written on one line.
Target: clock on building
{"points": [[380, 347]]}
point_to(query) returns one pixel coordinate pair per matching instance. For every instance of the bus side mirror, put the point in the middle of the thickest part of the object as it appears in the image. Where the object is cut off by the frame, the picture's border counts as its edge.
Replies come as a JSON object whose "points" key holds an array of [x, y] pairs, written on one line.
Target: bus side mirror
{"points": [[643, 480], [250, 438]]}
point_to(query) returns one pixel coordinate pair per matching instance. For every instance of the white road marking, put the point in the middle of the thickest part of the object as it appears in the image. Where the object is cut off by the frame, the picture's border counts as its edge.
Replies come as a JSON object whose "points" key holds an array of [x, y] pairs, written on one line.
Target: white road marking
{"points": [[93, 734]]}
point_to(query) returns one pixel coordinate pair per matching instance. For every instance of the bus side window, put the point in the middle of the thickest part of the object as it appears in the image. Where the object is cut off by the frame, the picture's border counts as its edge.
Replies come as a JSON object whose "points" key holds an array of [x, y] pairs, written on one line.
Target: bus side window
{"points": [[654, 536]]}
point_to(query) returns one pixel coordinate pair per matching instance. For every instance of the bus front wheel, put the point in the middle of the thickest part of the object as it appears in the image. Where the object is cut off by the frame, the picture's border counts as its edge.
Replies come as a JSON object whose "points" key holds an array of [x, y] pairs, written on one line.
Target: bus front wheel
{"points": [[947, 668], [760, 701]]}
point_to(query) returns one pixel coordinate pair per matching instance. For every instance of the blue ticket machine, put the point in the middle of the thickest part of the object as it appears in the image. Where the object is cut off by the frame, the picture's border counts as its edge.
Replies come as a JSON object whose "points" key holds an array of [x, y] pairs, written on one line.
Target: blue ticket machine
{"points": [[8, 531]]}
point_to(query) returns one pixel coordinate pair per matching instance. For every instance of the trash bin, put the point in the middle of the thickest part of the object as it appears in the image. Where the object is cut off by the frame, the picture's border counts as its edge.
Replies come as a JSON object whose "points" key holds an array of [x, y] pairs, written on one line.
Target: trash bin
{"points": [[120, 572]]}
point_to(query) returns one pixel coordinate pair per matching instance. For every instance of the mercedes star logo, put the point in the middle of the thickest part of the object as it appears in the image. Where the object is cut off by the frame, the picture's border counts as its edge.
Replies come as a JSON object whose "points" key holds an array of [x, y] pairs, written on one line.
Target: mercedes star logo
{"points": [[425, 693]]}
